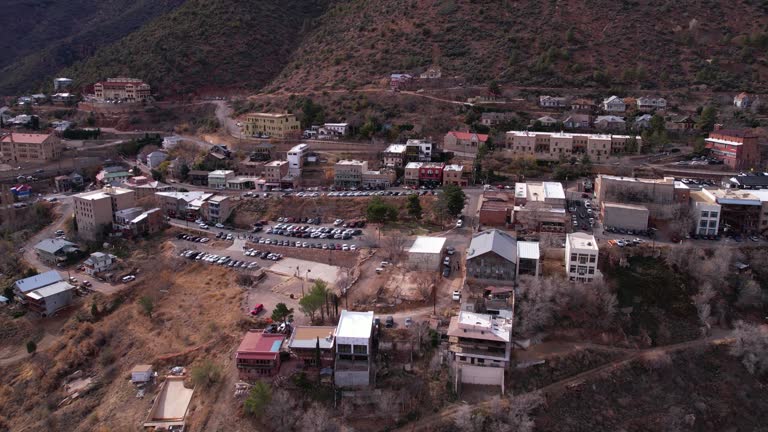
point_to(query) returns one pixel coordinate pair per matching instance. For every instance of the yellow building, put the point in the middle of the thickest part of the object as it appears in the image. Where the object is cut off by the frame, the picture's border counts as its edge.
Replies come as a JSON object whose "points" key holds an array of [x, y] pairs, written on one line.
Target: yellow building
{"points": [[274, 125], [22, 147]]}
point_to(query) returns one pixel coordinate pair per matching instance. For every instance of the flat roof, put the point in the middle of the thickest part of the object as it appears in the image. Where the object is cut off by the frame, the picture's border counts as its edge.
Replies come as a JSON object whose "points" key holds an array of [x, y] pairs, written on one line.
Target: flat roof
{"points": [[579, 240], [220, 173], [26, 138], [569, 135], [414, 165], [186, 196], [453, 167], [50, 290], [277, 163], [528, 250], [355, 324], [306, 337], [722, 141], [349, 162], [105, 192], [272, 115], [700, 196], [395, 148], [480, 326], [425, 244]]}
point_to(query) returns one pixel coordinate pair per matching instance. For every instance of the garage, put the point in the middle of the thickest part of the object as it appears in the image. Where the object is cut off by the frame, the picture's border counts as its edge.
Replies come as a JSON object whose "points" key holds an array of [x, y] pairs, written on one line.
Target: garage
{"points": [[426, 253], [481, 375], [625, 216]]}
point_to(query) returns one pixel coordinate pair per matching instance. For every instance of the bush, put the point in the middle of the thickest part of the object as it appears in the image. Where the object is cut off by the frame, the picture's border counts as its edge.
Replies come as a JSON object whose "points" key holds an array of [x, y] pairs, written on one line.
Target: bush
{"points": [[206, 374]]}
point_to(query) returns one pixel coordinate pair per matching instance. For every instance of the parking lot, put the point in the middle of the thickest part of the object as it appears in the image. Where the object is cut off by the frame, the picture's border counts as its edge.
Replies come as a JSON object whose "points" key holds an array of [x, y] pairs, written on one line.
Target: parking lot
{"points": [[395, 192], [583, 216]]}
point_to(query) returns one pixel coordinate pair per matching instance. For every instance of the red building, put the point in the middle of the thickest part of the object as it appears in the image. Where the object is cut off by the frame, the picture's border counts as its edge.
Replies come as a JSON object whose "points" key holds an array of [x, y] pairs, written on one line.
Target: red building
{"points": [[259, 354], [431, 174], [738, 149]]}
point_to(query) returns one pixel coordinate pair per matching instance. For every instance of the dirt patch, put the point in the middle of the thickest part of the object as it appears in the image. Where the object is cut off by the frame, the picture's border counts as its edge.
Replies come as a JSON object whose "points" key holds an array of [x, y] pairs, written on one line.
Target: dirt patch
{"points": [[556, 369]]}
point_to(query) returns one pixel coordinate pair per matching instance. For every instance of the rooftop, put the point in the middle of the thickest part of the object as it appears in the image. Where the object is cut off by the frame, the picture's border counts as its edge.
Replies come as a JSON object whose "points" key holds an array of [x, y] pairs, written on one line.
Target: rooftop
{"points": [[276, 163], [580, 240], [26, 138], [299, 148], [350, 162], [480, 326], [425, 244], [221, 173], [259, 345], [355, 324], [528, 250], [54, 245], [395, 148], [50, 290], [469, 136], [185, 196], [454, 167], [270, 115], [307, 336], [414, 165], [570, 135], [106, 192], [493, 241], [625, 206], [37, 281], [738, 133]]}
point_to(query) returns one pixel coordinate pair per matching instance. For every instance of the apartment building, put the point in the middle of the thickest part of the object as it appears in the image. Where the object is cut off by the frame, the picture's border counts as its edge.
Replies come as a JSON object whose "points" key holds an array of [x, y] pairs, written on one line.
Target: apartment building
{"points": [[454, 174], [353, 364], [29, 147], [706, 213], [349, 173], [658, 195], [553, 146], [274, 125], [464, 143], [296, 158], [738, 149], [480, 347], [394, 156], [274, 173], [581, 254], [122, 89], [218, 179], [419, 150], [95, 210]]}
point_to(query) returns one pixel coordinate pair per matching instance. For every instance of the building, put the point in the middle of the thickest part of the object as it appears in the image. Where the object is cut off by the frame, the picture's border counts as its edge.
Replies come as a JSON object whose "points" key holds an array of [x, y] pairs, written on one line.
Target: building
{"points": [[215, 209], [122, 89], [61, 83], [54, 251], [539, 207], [399, 81], [658, 195], [495, 208], [198, 177], [743, 100], [394, 156], [624, 216], [113, 175], [680, 123], [419, 150], [643, 121], [614, 104], [528, 258], [577, 121], [610, 122], [63, 99], [583, 105], [98, 262], [334, 129], [353, 364], [426, 253], [177, 204], [305, 341], [651, 103], [738, 149], [706, 213], [581, 254], [552, 146], [431, 174], [492, 119], [271, 125], [380, 179], [411, 174], [245, 183], [492, 255], [349, 173], [546, 121], [29, 147], [464, 143], [144, 187], [553, 102], [274, 173], [136, 221], [263, 152], [94, 211], [142, 374], [155, 158], [757, 180], [258, 355], [218, 179], [66, 183], [296, 158], [433, 72], [44, 294], [480, 348], [741, 211], [454, 174]]}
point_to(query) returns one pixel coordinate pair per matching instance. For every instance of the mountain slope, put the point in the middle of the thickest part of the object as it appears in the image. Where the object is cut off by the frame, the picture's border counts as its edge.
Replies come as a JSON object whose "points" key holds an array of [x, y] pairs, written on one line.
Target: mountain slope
{"points": [[565, 43], [40, 37], [206, 43]]}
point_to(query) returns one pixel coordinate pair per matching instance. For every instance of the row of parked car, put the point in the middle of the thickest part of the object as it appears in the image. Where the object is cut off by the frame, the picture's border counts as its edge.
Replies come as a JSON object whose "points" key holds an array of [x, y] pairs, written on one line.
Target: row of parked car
{"points": [[305, 231], [615, 230], [218, 259], [265, 255], [192, 238], [298, 244]]}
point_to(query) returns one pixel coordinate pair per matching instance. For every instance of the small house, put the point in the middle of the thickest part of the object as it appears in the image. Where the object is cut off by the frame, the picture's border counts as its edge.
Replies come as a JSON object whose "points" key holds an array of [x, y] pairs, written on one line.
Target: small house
{"points": [[614, 104], [98, 262], [54, 251], [141, 374]]}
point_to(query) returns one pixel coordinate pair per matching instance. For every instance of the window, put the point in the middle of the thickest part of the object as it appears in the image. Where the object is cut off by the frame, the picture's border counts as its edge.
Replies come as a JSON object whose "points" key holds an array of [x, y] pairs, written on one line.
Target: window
{"points": [[592, 258], [480, 361], [713, 214], [573, 269], [573, 257], [713, 224], [591, 270], [360, 349], [705, 214], [703, 224], [346, 348]]}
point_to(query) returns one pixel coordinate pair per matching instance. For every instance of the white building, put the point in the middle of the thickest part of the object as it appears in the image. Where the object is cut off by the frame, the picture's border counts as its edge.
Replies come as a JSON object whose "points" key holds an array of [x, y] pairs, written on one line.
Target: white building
{"points": [[614, 104], [651, 103], [155, 158], [98, 262], [44, 294], [141, 374], [353, 349], [394, 155], [296, 157], [480, 347], [218, 179], [426, 253], [61, 83], [552, 101], [581, 253], [706, 213], [425, 149], [338, 129]]}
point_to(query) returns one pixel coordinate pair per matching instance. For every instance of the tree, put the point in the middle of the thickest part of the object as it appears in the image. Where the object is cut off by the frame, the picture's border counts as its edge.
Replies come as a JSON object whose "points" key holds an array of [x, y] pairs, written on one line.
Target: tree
{"points": [[380, 211], [184, 171], [414, 207], [315, 299], [156, 175], [31, 347], [147, 306], [751, 344], [750, 294], [280, 312], [494, 88], [631, 145], [452, 200], [707, 120], [701, 300], [394, 244], [318, 419], [206, 374], [258, 399]]}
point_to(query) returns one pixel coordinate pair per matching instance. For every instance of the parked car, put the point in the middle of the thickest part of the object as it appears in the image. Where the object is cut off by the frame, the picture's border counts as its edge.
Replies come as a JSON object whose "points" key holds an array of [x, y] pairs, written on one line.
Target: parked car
{"points": [[390, 322], [408, 322], [257, 309], [203, 226], [446, 271], [459, 223], [219, 225], [456, 296], [128, 278]]}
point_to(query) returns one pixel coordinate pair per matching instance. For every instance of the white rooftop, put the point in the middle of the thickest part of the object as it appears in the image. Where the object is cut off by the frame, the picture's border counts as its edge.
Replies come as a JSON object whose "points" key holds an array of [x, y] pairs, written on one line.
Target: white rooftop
{"points": [[428, 245], [579, 240], [299, 148], [395, 148], [355, 324], [453, 168], [481, 326], [186, 196], [106, 192], [221, 173], [528, 250], [414, 165], [50, 290], [349, 162], [722, 141]]}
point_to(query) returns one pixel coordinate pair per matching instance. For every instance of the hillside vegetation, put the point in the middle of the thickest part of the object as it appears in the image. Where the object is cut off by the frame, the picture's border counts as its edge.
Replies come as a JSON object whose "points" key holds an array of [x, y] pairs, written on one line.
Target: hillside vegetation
{"points": [[40, 37]]}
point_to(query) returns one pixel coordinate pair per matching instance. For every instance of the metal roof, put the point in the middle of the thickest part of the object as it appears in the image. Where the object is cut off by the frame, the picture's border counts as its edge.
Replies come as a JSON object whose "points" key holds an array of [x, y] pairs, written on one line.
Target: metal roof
{"points": [[428, 245], [528, 250], [50, 290], [493, 241], [53, 245], [38, 281]]}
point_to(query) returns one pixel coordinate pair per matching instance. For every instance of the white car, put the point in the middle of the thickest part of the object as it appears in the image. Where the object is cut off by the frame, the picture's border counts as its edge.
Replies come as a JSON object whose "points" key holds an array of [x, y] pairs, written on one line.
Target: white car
{"points": [[128, 278], [203, 226], [456, 296], [219, 225], [459, 223]]}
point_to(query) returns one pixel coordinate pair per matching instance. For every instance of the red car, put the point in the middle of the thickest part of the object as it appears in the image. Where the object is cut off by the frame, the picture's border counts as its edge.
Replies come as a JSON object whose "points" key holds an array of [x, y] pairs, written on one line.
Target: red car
{"points": [[257, 309]]}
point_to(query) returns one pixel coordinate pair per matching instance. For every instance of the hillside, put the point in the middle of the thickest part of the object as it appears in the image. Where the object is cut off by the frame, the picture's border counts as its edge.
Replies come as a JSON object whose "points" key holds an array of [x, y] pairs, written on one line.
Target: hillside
{"points": [[206, 43], [565, 43], [40, 37]]}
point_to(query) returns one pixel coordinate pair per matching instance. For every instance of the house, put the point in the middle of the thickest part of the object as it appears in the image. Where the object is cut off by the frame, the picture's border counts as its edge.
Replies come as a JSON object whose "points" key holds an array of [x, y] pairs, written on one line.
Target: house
{"points": [[528, 258], [142, 374], [122, 89], [281, 125], [681, 123], [21, 191], [464, 143], [738, 149], [454, 174], [651, 103], [262, 152], [305, 341], [581, 253], [614, 104], [258, 355], [394, 155], [492, 255], [98, 262], [480, 348], [353, 365], [491, 119], [63, 98], [45, 293], [583, 105], [218, 179], [54, 251], [399, 81], [643, 121], [610, 122], [547, 121], [577, 121], [113, 175], [334, 129], [177, 204], [426, 253], [433, 72], [144, 187], [552, 102], [199, 178], [743, 100], [61, 83], [155, 158]]}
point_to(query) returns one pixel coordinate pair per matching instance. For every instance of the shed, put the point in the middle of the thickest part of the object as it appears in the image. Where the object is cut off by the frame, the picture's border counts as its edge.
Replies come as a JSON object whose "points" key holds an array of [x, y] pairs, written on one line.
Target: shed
{"points": [[141, 373], [426, 253]]}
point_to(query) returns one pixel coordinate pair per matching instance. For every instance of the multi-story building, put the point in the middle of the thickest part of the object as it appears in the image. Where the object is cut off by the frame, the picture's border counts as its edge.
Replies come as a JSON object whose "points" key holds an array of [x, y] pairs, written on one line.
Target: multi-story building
{"points": [[95, 210], [464, 143], [394, 156], [334, 129], [539, 207], [61, 83], [218, 179], [135, 221], [581, 254], [296, 157], [176, 204], [378, 179], [553, 146], [123, 89], [274, 173], [263, 152], [44, 294], [738, 149], [706, 213], [492, 255], [23, 147], [217, 208], [419, 150], [614, 104], [411, 176], [306, 340], [454, 174], [431, 174], [273, 125], [349, 173], [258, 355], [480, 347], [353, 365], [145, 187], [651, 103], [741, 211], [658, 195], [624, 216]]}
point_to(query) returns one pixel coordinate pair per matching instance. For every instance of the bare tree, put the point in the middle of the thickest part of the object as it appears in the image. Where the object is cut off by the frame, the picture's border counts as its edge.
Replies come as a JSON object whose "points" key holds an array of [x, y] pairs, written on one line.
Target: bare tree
{"points": [[752, 346], [679, 258], [519, 417], [282, 410], [344, 282], [393, 244], [318, 419], [702, 301], [750, 294], [425, 282], [468, 421], [535, 304]]}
